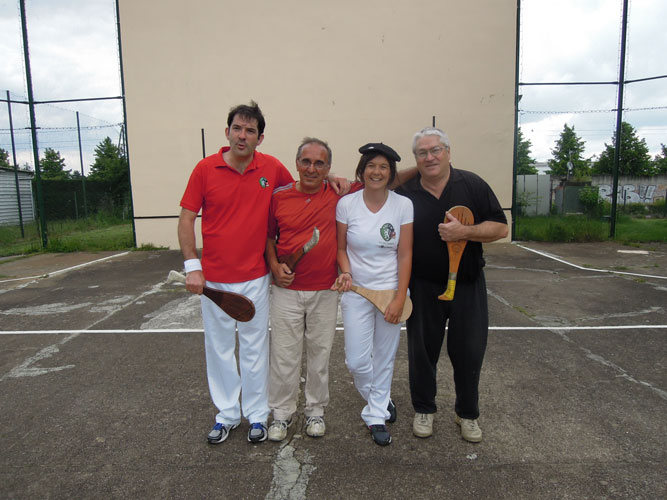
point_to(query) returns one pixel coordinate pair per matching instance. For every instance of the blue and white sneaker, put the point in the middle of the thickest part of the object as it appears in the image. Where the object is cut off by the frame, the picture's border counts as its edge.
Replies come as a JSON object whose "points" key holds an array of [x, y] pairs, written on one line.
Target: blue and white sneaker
{"points": [[220, 432], [257, 432]]}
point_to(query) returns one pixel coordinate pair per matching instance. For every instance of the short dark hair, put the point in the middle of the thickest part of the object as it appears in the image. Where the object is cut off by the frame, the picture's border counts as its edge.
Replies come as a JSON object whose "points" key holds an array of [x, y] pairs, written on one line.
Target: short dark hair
{"points": [[249, 112], [365, 160], [314, 140]]}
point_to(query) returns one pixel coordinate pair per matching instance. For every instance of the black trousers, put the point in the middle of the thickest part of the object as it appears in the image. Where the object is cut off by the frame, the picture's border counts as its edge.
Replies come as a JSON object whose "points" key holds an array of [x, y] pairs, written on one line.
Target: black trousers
{"points": [[467, 321]]}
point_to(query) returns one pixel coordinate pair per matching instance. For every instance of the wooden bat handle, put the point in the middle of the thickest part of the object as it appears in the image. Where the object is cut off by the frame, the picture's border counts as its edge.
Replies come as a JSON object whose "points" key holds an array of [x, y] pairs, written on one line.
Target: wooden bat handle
{"points": [[291, 259]]}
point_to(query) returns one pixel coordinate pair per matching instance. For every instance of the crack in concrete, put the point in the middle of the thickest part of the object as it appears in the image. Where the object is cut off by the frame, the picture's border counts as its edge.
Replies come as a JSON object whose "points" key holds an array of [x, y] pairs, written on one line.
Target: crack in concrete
{"points": [[290, 475]]}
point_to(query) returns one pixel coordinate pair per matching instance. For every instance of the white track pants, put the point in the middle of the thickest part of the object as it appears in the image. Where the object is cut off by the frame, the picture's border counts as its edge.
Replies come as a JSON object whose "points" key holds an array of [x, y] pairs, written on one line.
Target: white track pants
{"points": [[370, 349], [224, 382]]}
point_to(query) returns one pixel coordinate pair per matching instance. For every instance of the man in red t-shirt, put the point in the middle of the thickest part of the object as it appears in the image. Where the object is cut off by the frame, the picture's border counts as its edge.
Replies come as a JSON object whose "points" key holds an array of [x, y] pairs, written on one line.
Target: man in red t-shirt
{"points": [[302, 304]]}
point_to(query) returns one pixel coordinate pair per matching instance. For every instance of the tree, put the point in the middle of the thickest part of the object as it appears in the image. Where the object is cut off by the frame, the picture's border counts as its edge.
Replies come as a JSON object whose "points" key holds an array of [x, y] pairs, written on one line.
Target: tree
{"points": [[634, 158], [52, 166], [569, 147], [4, 158], [660, 161], [111, 165], [525, 165]]}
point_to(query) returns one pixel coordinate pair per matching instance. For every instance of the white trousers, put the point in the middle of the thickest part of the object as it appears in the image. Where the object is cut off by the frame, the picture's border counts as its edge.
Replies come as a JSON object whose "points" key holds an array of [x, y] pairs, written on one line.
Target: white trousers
{"points": [[370, 349], [298, 315], [224, 382]]}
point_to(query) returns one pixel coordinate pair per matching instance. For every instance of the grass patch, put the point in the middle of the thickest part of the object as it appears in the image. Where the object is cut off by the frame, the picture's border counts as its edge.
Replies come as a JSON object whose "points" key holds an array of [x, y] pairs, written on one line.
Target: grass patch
{"points": [[94, 234], [630, 229], [581, 229]]}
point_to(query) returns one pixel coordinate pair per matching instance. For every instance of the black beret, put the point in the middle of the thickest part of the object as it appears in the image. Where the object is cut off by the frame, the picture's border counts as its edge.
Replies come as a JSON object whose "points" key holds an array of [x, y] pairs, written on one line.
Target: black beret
{"points": [[379, 148]]}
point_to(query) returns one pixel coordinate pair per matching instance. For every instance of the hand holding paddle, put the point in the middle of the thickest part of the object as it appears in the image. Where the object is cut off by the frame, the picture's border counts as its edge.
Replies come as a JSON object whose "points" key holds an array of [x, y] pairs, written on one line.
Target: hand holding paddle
{"points": [[455, 248], [292, 259], [379, 298], [382, 298], [235, 305]]}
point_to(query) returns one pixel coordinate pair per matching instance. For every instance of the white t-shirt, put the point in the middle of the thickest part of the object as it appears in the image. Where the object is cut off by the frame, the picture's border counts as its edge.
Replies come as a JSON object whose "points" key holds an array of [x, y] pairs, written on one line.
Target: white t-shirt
{"points": [[372, 239]]}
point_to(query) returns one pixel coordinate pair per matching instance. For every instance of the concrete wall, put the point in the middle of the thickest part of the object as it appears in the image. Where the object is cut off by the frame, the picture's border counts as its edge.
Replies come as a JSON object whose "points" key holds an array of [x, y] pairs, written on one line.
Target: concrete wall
{"points": [[645, 190], [541, 191], [348, 72], [534, 192], [9, 210]]}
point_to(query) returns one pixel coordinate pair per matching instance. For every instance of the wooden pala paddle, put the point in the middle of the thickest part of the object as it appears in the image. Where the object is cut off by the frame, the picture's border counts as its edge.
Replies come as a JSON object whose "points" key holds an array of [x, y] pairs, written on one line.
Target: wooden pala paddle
{"points": [[382, 298], [235, 305], [292, 259], [455, 249]]}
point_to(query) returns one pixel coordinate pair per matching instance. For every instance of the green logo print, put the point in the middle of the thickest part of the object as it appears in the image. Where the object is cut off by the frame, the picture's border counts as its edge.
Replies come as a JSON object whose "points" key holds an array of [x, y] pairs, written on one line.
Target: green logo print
{"points": [[263, 181], [387, 232]]}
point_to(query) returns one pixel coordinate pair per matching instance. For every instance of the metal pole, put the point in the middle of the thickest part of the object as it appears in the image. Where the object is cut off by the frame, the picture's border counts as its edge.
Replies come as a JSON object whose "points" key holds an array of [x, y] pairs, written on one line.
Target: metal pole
{"points": [[619, 121], [83, 177], [16, 167], [33, 125], [203, 144], [517, 98], [433, 121], [127, 144]]}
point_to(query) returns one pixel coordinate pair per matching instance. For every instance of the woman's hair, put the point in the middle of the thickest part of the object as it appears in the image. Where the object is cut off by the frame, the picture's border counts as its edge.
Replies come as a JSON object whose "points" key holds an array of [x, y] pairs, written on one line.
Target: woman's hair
{"points": [[365, 160]]}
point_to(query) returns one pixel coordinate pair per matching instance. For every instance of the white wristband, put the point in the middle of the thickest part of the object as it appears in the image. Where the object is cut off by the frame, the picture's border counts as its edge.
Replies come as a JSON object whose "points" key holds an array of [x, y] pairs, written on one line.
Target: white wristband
{"points": [[192, 265]]}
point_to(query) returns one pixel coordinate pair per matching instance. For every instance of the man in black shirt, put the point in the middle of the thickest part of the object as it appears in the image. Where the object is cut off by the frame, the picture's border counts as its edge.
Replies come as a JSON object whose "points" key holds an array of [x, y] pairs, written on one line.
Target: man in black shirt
{"points": [[436, 189]]}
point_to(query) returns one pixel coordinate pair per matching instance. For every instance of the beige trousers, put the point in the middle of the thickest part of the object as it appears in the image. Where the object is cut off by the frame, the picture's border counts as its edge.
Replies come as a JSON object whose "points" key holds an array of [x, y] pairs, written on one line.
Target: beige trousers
{"points": [[297, 316]]}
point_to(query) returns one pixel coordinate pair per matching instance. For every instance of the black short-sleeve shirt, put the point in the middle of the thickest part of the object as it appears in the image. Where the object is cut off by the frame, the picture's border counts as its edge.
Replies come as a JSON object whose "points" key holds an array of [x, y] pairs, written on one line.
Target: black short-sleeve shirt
{"points": [[430, 259]]}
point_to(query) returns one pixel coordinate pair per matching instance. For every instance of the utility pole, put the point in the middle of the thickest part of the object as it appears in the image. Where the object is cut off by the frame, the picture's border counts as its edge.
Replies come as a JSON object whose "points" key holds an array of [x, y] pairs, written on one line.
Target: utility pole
{"points": [[619, 121], [33, 126], [83, 177]]}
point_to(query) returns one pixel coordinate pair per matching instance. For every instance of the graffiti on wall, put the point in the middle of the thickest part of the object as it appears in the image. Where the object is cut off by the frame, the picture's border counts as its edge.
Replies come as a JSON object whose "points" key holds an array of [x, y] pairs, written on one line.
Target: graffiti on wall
{"points": [[634, 193]]}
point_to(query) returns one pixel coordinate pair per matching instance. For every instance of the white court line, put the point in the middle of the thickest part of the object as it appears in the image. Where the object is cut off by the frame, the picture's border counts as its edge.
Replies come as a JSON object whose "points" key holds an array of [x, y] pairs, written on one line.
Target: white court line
{"points": [[53, 273], [544, 254], [339, 329]]}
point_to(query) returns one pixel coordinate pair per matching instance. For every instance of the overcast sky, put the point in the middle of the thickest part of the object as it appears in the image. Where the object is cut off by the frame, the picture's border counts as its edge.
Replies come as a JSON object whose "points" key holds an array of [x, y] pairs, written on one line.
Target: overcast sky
{"points": [[74, 54]]}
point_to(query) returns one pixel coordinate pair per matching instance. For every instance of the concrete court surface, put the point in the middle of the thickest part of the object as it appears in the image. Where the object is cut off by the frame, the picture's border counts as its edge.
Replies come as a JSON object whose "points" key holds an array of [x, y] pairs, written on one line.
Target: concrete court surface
{"points": [[573, 392]]}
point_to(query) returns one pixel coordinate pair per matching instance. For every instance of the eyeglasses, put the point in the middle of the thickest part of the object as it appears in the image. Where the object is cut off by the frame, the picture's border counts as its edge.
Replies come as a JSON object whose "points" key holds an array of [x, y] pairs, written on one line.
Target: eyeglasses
{"points": [[435, 152], [318, 164]]}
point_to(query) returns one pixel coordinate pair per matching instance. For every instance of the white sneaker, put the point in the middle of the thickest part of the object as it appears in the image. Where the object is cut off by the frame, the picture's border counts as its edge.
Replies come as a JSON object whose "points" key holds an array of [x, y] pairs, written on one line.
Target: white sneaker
{"points": [[278, 429], [470, 430], [422, 425], [315, 426]]}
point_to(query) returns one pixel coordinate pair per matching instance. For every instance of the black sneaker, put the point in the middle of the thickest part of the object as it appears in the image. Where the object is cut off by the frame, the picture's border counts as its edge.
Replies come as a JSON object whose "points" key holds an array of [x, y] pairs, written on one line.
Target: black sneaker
{"points": [[391, 408], [220, 432], [257, 432], [380, 435]]}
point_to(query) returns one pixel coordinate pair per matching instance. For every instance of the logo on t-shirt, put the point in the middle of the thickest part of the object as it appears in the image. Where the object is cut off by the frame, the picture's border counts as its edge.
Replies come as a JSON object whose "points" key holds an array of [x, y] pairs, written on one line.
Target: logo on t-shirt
{"points": [[387, 232], [264, 182]]}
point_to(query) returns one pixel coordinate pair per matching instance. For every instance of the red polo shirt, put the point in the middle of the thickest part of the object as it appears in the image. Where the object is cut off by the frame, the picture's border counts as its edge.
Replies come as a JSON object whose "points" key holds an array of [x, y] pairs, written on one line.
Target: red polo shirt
{"points": [[235, 210]]}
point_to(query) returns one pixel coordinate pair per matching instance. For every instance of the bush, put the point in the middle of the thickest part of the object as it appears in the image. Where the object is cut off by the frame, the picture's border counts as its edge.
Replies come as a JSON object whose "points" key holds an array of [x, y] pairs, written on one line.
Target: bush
{"points": [[633, 209], [589, 197]]}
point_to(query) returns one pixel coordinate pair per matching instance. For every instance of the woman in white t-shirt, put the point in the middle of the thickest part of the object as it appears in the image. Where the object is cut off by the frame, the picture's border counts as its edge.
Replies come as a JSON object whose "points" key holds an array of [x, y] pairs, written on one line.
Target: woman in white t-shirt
{"points": [[374, 251]]}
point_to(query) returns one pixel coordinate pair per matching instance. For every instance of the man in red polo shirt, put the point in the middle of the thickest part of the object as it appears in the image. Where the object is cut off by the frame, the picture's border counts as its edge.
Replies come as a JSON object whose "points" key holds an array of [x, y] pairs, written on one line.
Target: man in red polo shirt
{"points": [[233, 189]]}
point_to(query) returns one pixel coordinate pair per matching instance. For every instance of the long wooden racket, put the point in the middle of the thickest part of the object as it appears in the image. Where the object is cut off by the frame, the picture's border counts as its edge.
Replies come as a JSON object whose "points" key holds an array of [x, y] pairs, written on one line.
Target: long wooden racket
{"points": [[292, 259], [382, 298], [455, 249], [235, 305]]}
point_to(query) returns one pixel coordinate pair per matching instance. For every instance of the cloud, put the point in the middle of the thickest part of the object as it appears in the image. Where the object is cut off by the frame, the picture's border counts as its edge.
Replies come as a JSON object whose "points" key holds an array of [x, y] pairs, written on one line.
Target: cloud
{"points": [[579, 41], [74, 54]]}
